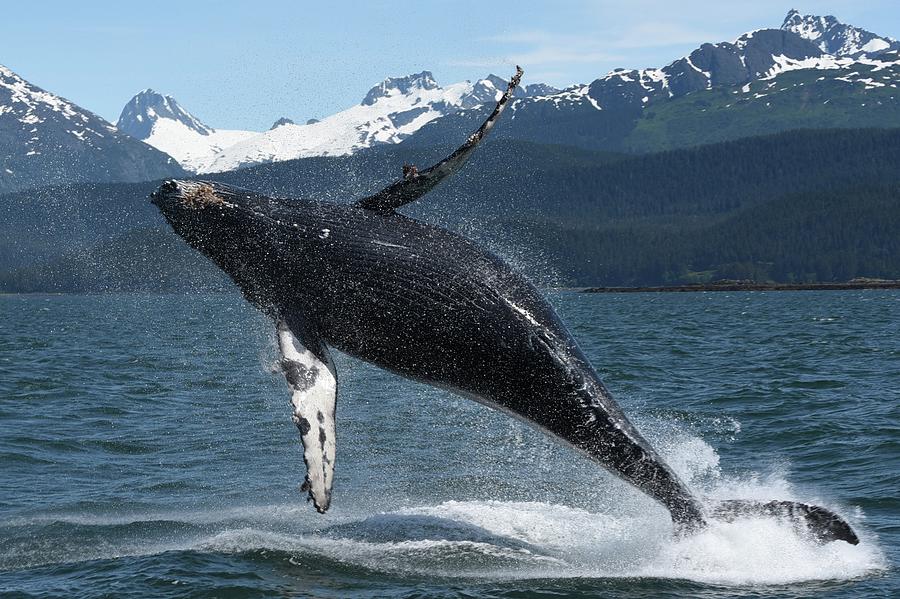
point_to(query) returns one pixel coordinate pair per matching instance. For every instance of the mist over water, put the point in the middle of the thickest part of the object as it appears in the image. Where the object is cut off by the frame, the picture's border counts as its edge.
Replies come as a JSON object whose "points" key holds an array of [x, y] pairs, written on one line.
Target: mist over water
{"points": [[146, 448]]}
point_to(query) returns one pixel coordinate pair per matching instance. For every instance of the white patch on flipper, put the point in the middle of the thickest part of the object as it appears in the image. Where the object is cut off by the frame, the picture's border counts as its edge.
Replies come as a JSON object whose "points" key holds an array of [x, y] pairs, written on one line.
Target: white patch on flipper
{"points": [[313, 413]]}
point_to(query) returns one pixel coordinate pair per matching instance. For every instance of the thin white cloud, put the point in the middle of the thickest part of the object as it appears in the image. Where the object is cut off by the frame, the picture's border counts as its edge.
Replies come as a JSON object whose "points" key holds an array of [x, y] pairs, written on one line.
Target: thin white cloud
{"points": [[565, 54], [541, 49], [533, 36], [480, 61], [660, 34], [544, 76], [598, 36]]}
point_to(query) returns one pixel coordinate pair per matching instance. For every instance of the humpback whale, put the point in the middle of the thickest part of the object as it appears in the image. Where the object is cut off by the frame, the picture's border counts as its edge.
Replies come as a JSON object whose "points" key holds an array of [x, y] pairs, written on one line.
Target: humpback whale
{"points": [[429, 305]]}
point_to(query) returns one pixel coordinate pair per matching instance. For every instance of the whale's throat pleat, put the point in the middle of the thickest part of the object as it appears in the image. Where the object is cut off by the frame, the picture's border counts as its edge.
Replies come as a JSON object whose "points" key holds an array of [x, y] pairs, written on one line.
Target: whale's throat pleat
{"points": [[310, 375]]}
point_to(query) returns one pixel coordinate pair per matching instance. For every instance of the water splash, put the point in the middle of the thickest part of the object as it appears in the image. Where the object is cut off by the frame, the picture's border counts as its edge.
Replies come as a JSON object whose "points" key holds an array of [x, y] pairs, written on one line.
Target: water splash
{"points": [[500, 540]]}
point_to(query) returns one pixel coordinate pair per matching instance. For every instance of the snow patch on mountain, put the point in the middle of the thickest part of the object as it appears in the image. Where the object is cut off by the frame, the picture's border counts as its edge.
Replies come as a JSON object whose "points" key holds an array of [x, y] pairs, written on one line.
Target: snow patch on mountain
{"points": [[191, 149], [827, 62], [389, 113]]}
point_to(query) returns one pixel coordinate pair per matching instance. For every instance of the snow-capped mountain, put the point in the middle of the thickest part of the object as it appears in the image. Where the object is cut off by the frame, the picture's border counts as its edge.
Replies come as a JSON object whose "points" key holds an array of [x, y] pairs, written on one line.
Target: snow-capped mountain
{"points": [[597, 115], [389, 113], [604, 113], [46, 139], [802, 42], [836, 38], [149, 107], [754, 55], [160, 121]]}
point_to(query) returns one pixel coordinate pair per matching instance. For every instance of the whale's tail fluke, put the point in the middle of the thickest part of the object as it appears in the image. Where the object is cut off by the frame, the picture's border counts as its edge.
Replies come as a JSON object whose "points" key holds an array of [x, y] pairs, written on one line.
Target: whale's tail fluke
{"points": [[824, 524], [415, 183]]}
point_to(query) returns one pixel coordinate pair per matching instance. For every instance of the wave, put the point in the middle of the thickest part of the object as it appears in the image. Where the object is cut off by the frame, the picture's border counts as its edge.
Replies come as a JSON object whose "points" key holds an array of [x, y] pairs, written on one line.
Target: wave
{"points": [[538, 540], [485, 539]]}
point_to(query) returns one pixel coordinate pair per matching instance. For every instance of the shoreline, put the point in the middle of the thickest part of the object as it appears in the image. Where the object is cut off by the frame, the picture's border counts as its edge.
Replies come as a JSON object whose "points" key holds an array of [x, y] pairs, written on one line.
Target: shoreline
{"points": [[849, 286]]}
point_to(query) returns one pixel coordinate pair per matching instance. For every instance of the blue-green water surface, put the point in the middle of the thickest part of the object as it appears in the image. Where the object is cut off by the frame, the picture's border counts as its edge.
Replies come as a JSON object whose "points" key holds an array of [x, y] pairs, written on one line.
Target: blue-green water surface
{"points": [[146, 449]]}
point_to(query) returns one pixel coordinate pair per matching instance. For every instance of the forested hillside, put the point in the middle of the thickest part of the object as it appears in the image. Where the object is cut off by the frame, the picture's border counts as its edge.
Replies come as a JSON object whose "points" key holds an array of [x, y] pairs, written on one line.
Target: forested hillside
{"points": [[822, 236], [799, 206]]}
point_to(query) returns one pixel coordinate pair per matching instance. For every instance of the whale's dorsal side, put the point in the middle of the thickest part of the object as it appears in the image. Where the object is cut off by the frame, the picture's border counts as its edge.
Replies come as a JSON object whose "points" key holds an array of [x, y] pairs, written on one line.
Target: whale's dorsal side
{"points": [[416, 184], [307, 366]]}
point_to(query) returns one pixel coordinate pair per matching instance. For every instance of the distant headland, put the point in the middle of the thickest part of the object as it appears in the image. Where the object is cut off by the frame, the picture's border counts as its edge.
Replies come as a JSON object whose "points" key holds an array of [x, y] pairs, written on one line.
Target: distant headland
{"points": [[860, 283]]}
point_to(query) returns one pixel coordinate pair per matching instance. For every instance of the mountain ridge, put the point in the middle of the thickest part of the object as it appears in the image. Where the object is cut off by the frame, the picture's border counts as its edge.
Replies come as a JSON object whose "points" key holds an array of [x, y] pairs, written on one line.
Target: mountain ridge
{"points": [[389, 113], [419, 106], [836, 38], [147, 107], [636, 110], [610, 111], [46, 139]]}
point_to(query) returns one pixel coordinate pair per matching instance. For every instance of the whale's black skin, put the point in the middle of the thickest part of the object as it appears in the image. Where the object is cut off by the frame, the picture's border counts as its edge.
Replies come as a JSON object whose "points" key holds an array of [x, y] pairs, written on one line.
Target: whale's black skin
{"points": [[422, 302], [428, 304]]}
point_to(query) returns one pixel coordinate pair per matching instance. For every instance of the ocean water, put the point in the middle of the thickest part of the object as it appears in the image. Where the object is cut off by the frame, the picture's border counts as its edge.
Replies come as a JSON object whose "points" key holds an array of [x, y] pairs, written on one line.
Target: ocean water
{"points": [[146, 449]]}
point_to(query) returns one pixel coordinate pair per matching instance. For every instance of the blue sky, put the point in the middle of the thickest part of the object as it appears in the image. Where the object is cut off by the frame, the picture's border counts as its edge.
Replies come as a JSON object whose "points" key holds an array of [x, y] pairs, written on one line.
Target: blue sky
{"points": [[244, 64]]}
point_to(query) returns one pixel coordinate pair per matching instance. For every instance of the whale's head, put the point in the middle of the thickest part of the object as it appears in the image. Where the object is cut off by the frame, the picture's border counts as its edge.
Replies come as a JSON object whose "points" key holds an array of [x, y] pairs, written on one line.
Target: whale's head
{"points": [[231, 226], [216, 218], [201, 211]]}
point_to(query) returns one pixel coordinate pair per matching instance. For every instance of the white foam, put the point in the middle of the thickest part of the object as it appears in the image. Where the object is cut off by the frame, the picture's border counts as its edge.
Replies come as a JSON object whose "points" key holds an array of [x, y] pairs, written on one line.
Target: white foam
{"points": [[540, 540], [460, 557], [628, 536], [760, 551]]}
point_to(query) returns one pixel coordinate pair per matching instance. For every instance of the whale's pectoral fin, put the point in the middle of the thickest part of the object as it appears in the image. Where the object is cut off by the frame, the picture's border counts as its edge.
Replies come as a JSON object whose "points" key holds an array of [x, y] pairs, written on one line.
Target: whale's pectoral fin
{"points": [[824, 524], [415, 184], [311, 377]]}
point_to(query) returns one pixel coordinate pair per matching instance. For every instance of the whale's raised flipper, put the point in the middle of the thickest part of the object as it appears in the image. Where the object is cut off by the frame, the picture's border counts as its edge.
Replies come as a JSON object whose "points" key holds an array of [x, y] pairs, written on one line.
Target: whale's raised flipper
{"points": [[415, 184], [821, 522], [310, 374]]}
